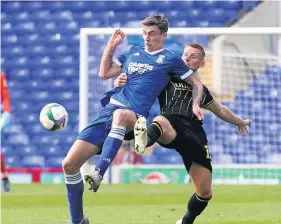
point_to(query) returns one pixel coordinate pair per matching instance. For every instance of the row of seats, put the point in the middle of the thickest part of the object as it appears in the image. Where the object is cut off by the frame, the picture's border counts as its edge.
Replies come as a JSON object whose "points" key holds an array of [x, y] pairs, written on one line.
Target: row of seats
{"points": [[40, 55], [124, 6]]}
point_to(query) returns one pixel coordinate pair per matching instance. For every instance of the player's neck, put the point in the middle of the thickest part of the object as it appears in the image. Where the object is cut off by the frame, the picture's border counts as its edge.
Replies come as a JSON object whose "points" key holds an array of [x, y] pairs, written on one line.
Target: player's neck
{"points": [[154, 51]]}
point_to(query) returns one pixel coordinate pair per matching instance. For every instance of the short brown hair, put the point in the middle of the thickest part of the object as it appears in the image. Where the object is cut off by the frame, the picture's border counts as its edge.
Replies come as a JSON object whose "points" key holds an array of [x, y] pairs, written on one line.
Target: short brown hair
{"points": [[199, 47], [160, 21]]}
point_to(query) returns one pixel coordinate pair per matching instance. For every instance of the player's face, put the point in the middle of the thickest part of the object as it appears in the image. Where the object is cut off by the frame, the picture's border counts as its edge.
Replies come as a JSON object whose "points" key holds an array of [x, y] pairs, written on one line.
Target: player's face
{"points": [[153, 39], [193, 58]]}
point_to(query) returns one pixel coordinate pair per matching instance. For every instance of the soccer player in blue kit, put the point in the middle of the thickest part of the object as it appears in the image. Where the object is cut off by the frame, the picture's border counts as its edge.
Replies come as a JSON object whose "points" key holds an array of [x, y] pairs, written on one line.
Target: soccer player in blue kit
{"points": [[149, 70]]}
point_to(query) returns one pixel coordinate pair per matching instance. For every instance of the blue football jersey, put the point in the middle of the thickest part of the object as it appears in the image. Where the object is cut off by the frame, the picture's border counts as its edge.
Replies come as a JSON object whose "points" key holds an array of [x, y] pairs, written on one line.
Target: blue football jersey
{"points": [[148, 73]]}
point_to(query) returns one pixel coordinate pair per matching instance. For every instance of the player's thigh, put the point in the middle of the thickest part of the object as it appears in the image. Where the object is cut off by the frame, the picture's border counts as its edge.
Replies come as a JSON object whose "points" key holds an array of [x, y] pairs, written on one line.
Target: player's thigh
{"points": [[169, 133], [78, 154], [201, 179], [124, 117]]}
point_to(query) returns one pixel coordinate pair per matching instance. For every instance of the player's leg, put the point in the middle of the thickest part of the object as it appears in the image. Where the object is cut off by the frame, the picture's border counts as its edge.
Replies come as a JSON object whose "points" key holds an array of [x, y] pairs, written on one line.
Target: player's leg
{"points": [[201, 178], [88, 143], [4, 175], [123, 119], [79, 153], [159, 130]]}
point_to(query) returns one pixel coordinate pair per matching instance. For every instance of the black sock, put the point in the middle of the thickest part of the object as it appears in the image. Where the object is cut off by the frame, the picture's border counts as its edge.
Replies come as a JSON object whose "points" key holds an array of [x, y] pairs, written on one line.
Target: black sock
{"points": [[196, 206], [5, 179], [153, 133]]}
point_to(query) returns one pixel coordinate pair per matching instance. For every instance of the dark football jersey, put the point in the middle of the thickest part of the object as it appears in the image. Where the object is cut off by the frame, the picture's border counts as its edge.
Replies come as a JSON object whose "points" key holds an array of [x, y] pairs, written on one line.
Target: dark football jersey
{"points": [[177, 99]]}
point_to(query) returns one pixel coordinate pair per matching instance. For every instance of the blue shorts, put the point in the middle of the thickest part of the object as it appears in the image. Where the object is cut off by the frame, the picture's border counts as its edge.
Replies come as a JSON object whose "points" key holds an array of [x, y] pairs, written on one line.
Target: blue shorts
{"points": [[98, 129]]}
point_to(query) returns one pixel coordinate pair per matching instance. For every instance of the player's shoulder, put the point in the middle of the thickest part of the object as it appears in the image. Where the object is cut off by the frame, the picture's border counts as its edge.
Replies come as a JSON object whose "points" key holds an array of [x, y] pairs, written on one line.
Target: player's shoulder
{"points": [[136, 48], [171, 54]]}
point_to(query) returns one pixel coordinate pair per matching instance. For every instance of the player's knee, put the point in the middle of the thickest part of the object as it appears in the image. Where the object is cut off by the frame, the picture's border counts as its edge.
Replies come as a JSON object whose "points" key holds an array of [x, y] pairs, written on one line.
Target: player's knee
{"points": [[165, 125], [205, 193], [69, 167], [121, 117]]}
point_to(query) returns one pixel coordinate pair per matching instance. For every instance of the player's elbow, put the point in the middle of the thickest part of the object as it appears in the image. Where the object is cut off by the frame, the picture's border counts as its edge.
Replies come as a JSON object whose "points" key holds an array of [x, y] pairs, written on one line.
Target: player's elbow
{"points": [[103, 75]]}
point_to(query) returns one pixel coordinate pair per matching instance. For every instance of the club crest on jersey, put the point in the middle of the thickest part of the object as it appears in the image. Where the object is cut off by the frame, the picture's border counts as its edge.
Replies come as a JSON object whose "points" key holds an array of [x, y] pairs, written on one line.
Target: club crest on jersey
{"points": [[160, 59]]}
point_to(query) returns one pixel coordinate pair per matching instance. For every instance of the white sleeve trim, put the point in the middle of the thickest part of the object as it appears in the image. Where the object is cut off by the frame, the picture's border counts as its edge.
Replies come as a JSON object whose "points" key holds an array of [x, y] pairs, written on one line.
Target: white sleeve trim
{"points": [[190, 72], [115, 60]]}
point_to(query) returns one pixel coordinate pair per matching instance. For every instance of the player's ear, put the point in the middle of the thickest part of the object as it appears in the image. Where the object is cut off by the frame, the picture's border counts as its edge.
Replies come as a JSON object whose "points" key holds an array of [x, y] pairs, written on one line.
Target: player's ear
{"points": [[202, 64], [164, 35]]}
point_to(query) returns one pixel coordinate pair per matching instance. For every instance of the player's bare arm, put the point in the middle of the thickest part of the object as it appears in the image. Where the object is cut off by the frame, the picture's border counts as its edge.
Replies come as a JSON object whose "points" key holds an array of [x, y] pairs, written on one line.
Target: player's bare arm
{"points": [[108, 68], [224, 113], [197, 90]]}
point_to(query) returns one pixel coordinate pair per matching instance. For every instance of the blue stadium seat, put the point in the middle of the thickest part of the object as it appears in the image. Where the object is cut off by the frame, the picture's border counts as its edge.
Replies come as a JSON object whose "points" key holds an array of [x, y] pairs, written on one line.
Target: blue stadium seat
{"points": [[79, 6], [52, 151], [206, 4], [33, 161], [215, 15], [34, 6], [43, 74], [18, 62], [230, 4], [150, 159], [67, 96], [27, 27], [37, 50], [7, 151], [195, 15], [13, 51], [16, 95], [41, 15], [174, 159], [23, 107], [12, 7], [41, 96], [27, 151], [62, 15], [58, 85], [4, 17], [49, 27], [54, 162], [18, 139], [161, 151], [56, 6], [68, 73], [64, 61], [6, 28], [13, 161], [9, 40], [42, 61]]}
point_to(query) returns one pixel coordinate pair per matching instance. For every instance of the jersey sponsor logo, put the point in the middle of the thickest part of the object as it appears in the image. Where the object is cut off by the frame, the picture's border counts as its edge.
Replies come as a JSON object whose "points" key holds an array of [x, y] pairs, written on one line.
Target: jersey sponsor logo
{"points": [[180, 86], [137, 54], [208, 156], [139, 68], [160, 59]]}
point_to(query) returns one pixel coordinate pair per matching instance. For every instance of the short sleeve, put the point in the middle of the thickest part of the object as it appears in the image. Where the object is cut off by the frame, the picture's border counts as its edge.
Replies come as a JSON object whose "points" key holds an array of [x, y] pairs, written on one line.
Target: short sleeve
{"points": [[207, 97], [121, 59], [180, 69]]}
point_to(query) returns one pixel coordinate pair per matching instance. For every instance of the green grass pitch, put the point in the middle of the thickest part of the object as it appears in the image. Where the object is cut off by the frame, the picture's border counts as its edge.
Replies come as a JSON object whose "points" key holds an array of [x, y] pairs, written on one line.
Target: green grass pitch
{"points": [[142, 204]]}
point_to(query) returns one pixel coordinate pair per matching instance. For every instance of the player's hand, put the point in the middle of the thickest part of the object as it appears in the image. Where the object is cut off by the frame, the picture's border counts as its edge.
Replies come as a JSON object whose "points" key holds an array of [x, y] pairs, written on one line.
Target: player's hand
{"points": [[5, 120], [199, 113], [121, 80], [116, 38], [242, 128]]}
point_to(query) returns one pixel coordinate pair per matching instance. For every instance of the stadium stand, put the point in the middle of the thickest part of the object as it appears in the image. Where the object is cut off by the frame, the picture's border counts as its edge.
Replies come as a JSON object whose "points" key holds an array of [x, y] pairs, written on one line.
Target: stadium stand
{"points": [[40, 55]]}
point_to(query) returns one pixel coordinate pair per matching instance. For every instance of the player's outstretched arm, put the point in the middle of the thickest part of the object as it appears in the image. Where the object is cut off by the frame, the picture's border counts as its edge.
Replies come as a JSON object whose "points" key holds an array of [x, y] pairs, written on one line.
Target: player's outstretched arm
{"points": [[197, 90], [108, 68], [225, 114]]}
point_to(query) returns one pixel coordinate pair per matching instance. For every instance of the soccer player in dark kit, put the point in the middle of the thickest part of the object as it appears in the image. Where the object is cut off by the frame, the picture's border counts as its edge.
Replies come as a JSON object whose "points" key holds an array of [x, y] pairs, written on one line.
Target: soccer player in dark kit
{"points": [[177, 128]]}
